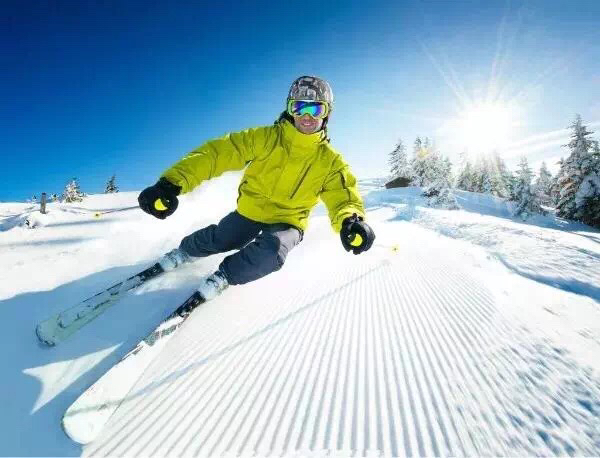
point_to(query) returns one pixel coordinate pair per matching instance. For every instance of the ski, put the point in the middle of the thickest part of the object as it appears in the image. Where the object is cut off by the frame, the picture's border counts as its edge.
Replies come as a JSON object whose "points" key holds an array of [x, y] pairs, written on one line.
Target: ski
{"points": [[63, 324], [84, 420]]}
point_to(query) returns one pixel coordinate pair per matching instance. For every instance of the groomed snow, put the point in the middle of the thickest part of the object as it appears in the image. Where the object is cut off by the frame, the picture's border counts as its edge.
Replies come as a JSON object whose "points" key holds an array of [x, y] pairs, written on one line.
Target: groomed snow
{"points": [[478, 336]]}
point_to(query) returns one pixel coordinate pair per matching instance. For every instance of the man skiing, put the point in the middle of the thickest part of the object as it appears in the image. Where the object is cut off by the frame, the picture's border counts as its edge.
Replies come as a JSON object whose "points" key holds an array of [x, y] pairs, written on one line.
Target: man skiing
{"points": [[289, 166]]}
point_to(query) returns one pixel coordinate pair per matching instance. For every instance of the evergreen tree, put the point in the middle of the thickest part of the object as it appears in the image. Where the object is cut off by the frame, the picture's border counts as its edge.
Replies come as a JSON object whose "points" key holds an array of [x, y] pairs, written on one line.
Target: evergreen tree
{"points": [[524, 196], [439, 182], [431, 166], [111, 187], [555, 188], [72, 193], [480, 171], [543, 185], [447, 169], [587, 197], [399, 163], [486, 181], [573, 170], [417, 147], [418, 165], [465, 177], [427, 147], [501, 177]]}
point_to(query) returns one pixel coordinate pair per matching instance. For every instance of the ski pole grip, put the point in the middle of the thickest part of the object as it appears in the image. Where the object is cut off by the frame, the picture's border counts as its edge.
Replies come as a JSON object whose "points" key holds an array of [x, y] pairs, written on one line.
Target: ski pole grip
{"points": [[357, 240], [159, 205]]}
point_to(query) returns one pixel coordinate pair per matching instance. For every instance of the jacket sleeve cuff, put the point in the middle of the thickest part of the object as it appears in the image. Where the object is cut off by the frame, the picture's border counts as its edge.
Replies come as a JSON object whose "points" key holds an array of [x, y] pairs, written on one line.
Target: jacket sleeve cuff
{"points": [[337, 223]]}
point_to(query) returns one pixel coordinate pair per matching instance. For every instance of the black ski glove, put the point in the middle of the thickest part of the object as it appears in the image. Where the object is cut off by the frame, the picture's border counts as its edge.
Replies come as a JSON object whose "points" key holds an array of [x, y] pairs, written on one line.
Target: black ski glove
{"points": [[356, 235], [160, 200]]}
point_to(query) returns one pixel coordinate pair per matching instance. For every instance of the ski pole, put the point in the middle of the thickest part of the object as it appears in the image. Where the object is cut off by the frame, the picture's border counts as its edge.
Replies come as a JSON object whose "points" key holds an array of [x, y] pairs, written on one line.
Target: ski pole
{"points": [[98, 214], [394, 248], [357, 240]]}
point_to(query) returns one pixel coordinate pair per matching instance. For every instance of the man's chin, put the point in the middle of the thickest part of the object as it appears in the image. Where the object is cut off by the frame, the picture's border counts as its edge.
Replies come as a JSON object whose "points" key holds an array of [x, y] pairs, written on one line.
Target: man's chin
{"points": [[307, 131]]}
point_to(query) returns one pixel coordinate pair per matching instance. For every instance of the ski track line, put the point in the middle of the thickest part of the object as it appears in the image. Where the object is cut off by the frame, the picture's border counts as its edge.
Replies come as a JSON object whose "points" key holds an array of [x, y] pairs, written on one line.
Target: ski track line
{"points": [[401, 397], [433, 336], [168, 395], [330, 393], [259, 392], [382, 358], [446, 423], [459, 340], [177, 398], [252, 430], [301, 301], [507, 364], [177, 365], [489, 382], [217, 347], [129, 428]]}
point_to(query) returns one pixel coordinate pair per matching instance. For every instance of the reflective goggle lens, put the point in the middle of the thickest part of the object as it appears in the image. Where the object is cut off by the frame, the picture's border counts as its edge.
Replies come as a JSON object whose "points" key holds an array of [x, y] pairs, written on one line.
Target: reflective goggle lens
{"points": [[301, 107]]}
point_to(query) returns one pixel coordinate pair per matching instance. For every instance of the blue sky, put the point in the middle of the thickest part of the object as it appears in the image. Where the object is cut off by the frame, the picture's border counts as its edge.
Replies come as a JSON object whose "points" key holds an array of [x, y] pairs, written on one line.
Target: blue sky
{"points": [[95, 88]]}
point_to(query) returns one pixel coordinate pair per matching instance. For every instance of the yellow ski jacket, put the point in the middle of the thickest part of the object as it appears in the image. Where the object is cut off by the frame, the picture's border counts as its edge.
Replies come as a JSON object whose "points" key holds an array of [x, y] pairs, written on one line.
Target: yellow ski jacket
{"points": [[287, 172]]}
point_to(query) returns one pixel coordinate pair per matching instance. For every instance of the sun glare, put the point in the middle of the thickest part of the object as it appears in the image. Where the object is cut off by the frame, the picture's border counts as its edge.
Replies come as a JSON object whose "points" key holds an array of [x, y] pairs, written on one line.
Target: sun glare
{"points": [[484, 127]]}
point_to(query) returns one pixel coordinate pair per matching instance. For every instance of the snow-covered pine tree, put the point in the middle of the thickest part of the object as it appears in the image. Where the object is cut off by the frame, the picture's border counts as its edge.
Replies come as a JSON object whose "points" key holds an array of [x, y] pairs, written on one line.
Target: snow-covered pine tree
{"points": [[398, 162], [555, 188], [574, 169], [487, 184], [111, 186], [72, 193], [501, 176], [543, 185], [436, 177], [447, 169], [435, 166], [417, 147], [523, 194], [465, 178], [417, 163], [480, 174], [439, 182], [427, 147], [587, 197], [512, 186]]}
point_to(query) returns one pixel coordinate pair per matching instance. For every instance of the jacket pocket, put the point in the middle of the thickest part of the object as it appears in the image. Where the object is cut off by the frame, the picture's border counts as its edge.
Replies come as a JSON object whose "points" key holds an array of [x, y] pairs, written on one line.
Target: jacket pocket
{"points": [[300, 182]]}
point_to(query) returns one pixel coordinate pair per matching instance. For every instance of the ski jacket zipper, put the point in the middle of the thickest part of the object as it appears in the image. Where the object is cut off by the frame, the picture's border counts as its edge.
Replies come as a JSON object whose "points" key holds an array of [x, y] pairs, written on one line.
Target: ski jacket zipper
{"points": [[300, 182]]}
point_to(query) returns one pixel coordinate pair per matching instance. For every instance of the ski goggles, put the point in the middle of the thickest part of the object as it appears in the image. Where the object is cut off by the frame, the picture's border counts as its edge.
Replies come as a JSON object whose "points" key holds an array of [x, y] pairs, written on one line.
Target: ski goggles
{"points": [[318, 110]]}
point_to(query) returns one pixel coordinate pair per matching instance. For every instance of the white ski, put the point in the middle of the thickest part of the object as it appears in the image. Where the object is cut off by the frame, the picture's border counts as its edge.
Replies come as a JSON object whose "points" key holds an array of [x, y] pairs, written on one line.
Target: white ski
{"points": [[63, 324], [86, 417]]}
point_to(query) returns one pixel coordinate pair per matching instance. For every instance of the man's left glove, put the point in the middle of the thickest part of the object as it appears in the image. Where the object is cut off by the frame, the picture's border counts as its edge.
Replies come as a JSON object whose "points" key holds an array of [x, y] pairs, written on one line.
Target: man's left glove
{"points": [[160, 200], [356, 235]]}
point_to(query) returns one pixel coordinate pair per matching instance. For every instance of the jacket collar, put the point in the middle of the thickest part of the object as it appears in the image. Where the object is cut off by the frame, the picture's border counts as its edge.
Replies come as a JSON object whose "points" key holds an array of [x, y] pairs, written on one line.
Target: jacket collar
{"points": [[299, 141]]}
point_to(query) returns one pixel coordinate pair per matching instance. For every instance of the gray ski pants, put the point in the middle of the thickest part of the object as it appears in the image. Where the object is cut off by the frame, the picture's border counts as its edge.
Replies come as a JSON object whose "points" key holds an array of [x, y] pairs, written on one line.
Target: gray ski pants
{"points": [[262, 247]]}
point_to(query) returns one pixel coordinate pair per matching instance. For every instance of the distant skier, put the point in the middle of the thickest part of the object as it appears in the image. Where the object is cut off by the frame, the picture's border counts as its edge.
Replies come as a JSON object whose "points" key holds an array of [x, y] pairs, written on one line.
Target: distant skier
{"points": [[289, 166]]}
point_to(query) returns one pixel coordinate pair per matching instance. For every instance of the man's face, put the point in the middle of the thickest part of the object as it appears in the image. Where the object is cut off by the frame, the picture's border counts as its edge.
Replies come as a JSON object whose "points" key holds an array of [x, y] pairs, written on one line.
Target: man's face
{"points": [[307, 124]]}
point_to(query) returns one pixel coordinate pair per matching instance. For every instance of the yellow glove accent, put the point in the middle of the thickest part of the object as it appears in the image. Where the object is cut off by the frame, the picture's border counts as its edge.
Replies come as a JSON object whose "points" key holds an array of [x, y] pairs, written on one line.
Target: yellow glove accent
{"points": [[159, 205], [357, 240]]}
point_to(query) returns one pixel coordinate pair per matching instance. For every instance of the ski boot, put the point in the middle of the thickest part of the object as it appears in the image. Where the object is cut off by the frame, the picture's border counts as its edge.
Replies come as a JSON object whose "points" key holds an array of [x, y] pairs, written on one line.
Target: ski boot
{"points": [[173, 259], [213, 285]]}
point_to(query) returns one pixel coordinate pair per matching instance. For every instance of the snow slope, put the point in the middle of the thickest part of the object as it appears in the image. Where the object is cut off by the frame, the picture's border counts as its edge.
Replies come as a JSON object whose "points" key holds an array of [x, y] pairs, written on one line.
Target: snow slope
{"points": [[478, 336]]}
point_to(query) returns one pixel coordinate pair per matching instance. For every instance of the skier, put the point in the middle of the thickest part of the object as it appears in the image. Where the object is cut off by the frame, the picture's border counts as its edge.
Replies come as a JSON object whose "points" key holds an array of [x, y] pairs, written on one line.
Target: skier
{"points": [[289, 166]]}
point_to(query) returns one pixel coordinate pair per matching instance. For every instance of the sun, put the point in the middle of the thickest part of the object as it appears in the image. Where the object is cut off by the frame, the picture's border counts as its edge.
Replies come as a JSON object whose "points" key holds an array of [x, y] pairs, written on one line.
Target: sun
{"points": [[484, 127], [481, 127]]}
